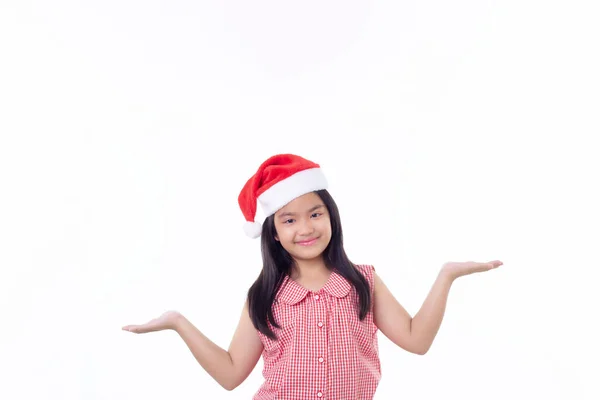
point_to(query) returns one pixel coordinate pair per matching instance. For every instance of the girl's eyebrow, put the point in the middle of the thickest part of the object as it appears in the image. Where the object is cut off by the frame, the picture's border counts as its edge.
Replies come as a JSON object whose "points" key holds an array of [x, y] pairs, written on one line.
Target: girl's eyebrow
{"points": [[287, 214]]}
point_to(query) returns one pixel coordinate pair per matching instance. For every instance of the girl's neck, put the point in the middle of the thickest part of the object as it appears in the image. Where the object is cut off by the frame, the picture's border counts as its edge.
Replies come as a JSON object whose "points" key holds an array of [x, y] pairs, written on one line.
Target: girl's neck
{"points": [[309, 269]]}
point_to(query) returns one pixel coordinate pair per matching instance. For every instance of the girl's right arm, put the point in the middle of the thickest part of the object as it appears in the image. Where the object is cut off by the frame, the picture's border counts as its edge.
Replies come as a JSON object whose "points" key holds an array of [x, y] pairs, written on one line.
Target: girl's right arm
{"points": [[229, 368]]}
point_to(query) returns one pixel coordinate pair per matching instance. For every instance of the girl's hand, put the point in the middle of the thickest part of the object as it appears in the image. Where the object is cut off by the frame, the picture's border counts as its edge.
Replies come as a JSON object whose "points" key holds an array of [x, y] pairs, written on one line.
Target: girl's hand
{"points": [[166, 321], [458, 269]]}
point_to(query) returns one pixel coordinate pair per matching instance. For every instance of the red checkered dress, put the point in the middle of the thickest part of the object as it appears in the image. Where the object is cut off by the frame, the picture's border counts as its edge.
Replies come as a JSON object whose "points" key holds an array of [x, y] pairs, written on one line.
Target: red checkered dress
{"points": [[324, 351]]}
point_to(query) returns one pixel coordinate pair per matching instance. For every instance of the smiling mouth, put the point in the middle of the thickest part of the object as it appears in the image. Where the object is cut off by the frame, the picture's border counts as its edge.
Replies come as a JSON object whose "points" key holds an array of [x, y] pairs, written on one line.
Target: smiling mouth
{"points": [[307, 242]]}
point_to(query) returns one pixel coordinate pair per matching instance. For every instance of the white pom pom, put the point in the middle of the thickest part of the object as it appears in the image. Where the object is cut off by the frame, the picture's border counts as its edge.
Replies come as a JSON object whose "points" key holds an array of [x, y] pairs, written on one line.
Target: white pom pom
{"points": [[253, 229]]}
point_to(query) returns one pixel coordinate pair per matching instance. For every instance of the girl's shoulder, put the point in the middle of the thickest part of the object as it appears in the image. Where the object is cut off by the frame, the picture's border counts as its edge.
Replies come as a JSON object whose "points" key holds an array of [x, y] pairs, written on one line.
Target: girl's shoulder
{"points": [[367, 270]]}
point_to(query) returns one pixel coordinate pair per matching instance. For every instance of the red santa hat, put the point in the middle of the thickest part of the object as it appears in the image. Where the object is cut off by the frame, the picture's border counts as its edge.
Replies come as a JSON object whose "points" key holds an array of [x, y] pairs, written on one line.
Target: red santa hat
{"points": [[278, 181]]}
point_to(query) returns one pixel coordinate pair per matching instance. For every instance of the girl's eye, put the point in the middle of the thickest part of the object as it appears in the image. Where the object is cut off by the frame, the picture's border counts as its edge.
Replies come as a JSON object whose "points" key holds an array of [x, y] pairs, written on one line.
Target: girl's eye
{"points": [[315, 215], [288, 221]]}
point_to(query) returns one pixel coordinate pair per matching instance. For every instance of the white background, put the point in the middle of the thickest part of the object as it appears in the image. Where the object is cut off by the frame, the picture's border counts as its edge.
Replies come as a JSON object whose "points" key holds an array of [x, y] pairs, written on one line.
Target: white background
{"points": [[449, 131]]}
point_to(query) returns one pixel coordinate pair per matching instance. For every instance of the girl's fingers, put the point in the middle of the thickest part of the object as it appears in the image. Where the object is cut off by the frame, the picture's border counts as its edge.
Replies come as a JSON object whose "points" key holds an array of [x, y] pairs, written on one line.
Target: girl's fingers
{"points": [[130, 328], [150, 326], [135, 328]]}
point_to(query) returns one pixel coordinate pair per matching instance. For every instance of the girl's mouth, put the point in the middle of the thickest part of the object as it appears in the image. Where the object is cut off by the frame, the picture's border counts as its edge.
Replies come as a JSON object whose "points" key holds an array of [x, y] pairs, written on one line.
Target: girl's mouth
{"points": [[307, 242]]}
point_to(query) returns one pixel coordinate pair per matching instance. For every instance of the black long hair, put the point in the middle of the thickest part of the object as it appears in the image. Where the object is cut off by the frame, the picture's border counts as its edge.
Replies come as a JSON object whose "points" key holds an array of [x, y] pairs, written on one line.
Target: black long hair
{"points": [[277, 263]]}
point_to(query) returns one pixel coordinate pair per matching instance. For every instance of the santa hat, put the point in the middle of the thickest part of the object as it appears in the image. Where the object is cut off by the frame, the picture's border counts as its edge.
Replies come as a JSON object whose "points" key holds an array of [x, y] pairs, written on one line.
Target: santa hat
{"points": [[278, 181]]}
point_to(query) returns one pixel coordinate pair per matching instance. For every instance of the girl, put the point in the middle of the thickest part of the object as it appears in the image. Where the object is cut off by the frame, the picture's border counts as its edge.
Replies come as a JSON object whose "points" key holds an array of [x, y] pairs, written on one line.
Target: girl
{"points": [[312, 314]]}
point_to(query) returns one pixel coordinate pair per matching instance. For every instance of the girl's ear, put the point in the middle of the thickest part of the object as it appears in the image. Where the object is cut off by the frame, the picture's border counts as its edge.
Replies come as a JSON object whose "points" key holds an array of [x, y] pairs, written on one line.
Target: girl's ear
{"points": [[276, 237]]}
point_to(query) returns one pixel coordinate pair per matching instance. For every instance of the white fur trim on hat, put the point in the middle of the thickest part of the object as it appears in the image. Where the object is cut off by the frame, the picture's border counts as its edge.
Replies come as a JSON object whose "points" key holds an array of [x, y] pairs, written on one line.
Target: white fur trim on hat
{"points": [[285, 191]]}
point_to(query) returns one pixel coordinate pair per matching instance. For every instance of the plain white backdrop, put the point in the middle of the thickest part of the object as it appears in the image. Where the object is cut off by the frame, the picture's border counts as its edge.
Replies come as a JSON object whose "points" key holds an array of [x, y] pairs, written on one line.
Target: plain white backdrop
{"points": [[449, 131]]}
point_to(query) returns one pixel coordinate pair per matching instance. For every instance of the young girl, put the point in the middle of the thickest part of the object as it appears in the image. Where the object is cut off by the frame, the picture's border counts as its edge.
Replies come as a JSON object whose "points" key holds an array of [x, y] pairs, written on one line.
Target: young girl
{"points": [[312, 314]]}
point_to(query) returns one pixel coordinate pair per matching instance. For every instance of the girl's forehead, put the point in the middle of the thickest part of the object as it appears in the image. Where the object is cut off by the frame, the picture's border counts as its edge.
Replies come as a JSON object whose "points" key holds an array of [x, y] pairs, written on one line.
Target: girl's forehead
{"points": [[303, 203]]}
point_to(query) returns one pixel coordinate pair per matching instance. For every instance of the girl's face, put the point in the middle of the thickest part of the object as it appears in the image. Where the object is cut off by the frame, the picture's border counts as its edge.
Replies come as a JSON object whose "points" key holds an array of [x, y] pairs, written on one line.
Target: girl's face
{"points": [[303, 227]]}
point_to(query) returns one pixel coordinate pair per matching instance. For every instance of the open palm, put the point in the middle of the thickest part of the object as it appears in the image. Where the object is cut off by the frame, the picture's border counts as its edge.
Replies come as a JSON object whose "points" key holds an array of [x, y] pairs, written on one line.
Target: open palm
{"points": [[457, 269], [166, 321]]}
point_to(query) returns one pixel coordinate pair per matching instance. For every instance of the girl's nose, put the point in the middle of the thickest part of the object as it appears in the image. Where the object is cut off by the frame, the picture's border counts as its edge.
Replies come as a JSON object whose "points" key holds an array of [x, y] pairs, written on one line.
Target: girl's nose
{"points": [[306, 227]]}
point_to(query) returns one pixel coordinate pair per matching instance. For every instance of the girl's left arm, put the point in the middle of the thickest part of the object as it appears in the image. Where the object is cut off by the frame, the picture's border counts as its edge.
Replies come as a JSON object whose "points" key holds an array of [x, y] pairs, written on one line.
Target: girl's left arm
{"points": [[413, 334], [416, 334]]}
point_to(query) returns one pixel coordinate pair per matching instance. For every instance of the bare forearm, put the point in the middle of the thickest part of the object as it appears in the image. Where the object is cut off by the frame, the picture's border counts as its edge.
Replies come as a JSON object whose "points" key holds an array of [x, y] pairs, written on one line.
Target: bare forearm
{"points": [[426, 323], [214, 359]]}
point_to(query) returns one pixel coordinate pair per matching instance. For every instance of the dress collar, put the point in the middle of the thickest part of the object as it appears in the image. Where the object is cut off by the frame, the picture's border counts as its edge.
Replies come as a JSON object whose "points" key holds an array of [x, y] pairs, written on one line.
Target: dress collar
{"points": [[292, 292]]}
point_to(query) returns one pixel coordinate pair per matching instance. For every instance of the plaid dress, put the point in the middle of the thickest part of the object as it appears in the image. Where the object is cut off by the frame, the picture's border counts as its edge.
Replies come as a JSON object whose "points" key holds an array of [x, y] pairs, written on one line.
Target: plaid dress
{"points": [[324, 351]]}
